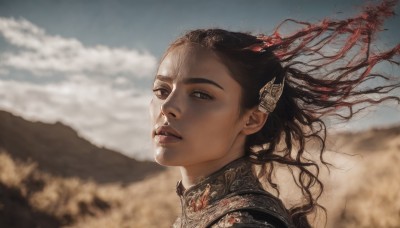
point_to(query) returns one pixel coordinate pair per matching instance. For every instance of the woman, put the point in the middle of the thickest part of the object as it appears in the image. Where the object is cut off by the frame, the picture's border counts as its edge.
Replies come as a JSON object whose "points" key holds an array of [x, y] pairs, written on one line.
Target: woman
{"points": [[226, 102]]}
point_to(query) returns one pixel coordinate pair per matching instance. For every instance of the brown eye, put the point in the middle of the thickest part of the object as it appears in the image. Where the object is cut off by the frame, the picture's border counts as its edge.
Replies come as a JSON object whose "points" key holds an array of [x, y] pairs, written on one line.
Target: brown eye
{"points": [[161, 93], [202, 95]]}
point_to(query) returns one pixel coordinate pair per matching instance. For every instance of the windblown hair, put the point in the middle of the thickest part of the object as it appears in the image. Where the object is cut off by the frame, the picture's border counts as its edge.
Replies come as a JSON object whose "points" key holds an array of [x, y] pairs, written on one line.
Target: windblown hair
{"points": [[325, 67]]}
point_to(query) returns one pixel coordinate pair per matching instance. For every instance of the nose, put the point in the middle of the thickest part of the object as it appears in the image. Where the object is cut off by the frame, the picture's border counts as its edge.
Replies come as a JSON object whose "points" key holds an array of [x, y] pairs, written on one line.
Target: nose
{"points": [[172, 107]]}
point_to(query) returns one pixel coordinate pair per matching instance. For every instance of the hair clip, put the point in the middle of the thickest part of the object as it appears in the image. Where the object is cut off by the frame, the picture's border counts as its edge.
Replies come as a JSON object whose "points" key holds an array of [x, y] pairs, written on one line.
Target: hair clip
{"points": [[269, 96]]}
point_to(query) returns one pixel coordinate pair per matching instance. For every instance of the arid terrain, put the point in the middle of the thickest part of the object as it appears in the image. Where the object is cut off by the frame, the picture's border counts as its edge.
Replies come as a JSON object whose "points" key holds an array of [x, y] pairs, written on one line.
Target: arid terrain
{"points": [[51, 177]]}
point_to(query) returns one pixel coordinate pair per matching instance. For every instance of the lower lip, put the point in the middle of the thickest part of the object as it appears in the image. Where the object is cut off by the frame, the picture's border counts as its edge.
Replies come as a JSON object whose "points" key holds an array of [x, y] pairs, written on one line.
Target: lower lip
{"points": [[166, 139]]}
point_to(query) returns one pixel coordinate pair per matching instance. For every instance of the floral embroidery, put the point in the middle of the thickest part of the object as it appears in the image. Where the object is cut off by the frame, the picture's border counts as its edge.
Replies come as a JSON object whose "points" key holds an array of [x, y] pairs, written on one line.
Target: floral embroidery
{"points": [[202, 201]]}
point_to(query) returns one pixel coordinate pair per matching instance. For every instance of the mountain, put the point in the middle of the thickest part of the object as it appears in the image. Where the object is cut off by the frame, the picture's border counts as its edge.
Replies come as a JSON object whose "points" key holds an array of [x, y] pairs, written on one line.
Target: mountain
{"points": [[58, 150]]}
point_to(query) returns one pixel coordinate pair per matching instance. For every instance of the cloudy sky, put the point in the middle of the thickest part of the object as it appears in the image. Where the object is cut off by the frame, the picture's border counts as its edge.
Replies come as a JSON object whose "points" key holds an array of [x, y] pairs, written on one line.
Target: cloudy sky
{"points": [[90, 64]]}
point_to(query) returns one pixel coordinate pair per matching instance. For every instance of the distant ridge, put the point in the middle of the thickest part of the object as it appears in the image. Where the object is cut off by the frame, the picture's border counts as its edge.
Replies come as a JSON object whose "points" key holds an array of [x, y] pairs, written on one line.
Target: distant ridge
{"points": [[372, 140], [58, 150]]}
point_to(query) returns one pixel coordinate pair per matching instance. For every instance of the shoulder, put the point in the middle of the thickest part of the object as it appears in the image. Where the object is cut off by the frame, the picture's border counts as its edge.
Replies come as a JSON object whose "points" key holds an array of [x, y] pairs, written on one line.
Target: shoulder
{"points": [[246, 219], [250, 210]]}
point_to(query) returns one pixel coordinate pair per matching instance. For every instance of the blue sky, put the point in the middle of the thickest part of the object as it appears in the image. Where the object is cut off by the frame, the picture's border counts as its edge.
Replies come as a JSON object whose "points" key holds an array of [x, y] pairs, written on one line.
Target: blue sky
{"points": [[90, 64]]}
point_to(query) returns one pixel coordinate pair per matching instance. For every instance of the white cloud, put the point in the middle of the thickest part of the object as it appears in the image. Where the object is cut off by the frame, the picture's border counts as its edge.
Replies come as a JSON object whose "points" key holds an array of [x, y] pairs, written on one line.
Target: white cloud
{"points": [[113, 118], [41, 53], [97, 92], [4, 71]]}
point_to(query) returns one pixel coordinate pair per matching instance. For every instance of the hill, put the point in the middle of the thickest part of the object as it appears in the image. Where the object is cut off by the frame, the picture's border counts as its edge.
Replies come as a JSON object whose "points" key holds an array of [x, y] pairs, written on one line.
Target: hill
{"points": [[58, 150], [52, 177], [362, 188]]}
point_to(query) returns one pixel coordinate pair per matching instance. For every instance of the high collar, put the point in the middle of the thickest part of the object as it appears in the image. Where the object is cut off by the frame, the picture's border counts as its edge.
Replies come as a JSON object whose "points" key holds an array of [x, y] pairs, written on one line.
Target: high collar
{"points": [[232, 188], [234, 178]]}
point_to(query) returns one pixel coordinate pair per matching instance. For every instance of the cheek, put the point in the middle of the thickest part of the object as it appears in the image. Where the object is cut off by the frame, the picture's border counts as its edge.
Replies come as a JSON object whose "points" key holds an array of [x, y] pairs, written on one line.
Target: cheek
{"points": [[154, 108], [216, 129]]}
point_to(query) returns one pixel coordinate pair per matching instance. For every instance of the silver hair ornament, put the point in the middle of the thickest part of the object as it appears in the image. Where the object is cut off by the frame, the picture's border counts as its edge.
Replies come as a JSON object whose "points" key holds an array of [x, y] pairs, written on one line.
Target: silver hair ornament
{"points": [[269, 96]]}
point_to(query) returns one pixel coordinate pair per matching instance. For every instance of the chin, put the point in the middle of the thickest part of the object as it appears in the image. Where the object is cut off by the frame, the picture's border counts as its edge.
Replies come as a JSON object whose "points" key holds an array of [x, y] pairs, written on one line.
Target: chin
{"points": [[165, 159]]}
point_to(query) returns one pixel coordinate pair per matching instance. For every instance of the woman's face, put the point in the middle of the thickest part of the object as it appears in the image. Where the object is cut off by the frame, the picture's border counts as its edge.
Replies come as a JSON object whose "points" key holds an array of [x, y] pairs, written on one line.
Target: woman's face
{"points": [[194, 95]]}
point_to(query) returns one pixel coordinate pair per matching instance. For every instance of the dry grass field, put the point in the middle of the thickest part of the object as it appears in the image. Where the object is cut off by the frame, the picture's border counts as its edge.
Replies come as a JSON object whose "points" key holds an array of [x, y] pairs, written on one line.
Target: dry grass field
{"points": [[31, 198], [362, 191], [366, 191]]}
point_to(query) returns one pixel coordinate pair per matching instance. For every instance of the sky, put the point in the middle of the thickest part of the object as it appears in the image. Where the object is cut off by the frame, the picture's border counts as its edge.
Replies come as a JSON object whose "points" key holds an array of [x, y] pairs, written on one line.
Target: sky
{"points": [[90, 64]]}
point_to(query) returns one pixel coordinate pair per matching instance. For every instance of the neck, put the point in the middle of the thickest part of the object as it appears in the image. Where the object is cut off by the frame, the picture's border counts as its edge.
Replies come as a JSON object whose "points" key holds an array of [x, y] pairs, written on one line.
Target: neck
{"points": [[191, 175]]}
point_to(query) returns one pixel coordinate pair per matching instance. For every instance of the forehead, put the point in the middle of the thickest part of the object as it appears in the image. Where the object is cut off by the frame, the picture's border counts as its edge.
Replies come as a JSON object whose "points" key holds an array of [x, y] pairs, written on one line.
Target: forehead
{"points": [[190, 60]]}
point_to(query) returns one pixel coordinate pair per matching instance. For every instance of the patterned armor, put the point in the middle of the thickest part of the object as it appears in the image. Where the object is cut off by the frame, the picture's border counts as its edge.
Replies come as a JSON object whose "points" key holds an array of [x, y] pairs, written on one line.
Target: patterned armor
{"points": [[231, 197]]}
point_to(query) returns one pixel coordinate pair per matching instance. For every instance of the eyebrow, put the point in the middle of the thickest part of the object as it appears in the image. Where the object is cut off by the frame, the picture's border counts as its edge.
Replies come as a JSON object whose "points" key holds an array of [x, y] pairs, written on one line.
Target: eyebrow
{"points": [[190, 81]]}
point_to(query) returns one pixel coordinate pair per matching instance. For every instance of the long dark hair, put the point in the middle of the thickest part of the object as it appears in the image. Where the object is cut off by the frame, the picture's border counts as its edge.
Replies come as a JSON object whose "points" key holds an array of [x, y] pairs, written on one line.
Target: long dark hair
{"points": [[324, 67]]}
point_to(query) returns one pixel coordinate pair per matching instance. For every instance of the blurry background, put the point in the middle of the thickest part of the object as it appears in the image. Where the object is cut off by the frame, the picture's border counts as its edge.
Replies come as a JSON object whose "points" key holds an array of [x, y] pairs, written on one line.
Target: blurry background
{"points": [[79, 73]]}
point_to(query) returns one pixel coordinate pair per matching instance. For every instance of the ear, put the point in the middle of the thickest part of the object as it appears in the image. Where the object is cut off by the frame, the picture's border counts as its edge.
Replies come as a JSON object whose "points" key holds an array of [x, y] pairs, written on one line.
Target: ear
{"points": [[254, 121]]}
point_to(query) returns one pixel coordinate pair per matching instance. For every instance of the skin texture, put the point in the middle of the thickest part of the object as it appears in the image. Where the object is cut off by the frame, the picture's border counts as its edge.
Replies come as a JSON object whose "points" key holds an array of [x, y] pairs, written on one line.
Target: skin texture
{"points": [[205, 114]]}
